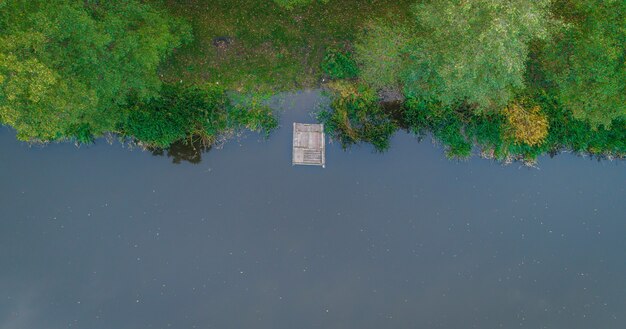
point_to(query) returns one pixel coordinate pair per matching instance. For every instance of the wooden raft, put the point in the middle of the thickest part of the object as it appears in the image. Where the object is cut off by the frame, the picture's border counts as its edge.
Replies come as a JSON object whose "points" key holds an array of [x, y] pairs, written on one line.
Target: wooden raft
{"points": [[308, 145]]}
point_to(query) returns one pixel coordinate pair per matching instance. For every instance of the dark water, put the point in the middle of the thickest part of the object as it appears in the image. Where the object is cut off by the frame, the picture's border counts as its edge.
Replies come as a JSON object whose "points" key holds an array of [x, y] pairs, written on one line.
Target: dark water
{"points": [[105, 237]]}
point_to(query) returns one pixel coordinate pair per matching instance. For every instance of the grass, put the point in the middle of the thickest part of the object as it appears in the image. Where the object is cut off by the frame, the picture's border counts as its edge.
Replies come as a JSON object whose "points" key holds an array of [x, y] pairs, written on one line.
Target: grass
{"points": [[255, 45]]}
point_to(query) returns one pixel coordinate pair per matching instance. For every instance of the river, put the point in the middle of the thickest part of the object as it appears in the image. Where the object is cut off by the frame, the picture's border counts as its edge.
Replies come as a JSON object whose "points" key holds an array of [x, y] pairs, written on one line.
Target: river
{"points": [[103, 236]]}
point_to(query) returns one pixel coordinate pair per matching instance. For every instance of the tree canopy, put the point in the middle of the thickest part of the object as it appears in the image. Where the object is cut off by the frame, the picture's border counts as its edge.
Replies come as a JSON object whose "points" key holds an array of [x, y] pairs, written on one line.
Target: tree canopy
{"points": [[459, 51], [67, 64], [587, 61]]}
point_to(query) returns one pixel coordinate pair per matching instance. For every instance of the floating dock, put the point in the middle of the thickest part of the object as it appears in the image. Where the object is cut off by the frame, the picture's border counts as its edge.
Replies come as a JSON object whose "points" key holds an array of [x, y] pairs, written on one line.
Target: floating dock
{"points": [[309, 147]]}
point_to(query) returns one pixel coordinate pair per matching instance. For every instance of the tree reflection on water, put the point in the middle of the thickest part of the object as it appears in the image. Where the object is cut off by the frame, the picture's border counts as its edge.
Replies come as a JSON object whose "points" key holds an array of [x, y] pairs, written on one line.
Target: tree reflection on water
{"points": [[188, 151]]}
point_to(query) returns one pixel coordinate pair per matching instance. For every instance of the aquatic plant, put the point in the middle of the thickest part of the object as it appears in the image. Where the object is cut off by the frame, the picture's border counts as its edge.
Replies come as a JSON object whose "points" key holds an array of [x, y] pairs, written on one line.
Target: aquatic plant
{"points": [[356, 116]]}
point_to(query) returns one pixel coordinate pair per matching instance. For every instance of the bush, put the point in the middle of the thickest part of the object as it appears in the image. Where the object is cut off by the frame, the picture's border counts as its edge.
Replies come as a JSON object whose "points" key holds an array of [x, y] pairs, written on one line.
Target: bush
{"points": [[339, 65], [515, 133], [81, 133], [187, 112], [526, 126], [567, 132], [443, 122], [356, 116]]}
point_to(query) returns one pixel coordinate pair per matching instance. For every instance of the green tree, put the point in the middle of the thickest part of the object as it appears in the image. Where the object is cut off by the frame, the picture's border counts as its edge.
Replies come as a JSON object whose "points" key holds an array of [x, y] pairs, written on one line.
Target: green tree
{"points": [[587, 62], [72, 65], [468, 51]]}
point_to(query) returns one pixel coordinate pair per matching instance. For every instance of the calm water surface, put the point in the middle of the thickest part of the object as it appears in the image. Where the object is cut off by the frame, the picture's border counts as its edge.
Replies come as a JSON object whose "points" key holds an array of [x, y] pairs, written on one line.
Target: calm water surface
{"points": [[107, 237]]}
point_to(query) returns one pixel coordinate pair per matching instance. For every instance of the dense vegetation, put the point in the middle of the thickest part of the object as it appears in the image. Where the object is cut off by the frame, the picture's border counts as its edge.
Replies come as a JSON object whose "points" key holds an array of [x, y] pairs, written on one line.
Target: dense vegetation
{"points": [[517, 78], [78, 69], [69, 64], [357, 116], [204, 113]]}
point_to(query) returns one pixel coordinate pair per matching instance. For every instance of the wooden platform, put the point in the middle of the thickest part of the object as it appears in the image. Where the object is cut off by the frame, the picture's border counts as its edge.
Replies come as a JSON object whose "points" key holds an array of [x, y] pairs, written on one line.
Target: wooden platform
{"points": [[309, 147]]}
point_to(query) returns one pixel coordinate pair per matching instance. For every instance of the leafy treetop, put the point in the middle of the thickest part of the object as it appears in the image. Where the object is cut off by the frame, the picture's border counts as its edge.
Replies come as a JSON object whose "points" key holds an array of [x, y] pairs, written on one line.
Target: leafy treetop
{"points": [[587, 62], [459, 51], [65, 64]]}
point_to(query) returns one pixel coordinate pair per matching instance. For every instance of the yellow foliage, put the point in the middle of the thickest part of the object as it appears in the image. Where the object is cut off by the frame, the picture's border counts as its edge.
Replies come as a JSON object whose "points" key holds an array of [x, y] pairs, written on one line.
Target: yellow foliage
{"points": [[526, 126], [344, 88]]}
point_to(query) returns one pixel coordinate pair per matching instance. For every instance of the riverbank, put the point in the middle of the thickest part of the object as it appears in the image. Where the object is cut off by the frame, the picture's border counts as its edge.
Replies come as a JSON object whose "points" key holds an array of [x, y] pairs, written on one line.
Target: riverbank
{"points": [[205, 70]]}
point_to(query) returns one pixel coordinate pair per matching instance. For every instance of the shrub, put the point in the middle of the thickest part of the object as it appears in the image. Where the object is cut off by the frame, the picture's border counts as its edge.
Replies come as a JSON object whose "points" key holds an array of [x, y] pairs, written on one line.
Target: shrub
{"points": [[186, 112], [81, 133], [339, 65], [526, 126], [356, 116], [443, 122], [516, 133]]}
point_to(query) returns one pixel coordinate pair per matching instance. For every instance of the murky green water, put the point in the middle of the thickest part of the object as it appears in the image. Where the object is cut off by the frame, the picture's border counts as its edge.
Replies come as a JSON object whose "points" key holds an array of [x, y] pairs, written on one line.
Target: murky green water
{"points": [[105, 237]]}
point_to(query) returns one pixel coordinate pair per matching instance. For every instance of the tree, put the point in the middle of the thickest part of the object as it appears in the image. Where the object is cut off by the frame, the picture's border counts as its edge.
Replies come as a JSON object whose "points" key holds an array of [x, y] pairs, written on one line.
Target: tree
{"points": [[587, 62], [463, 51], [68, 64]]}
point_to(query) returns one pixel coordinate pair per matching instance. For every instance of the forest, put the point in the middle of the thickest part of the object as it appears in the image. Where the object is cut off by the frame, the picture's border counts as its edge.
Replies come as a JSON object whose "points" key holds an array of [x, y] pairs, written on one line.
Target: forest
{"points": [[510, 80]]}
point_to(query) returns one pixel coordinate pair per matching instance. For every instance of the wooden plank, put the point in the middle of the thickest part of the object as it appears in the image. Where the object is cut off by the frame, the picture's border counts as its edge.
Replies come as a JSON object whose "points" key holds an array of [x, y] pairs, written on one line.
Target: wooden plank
{"points": [[308, 144]]}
